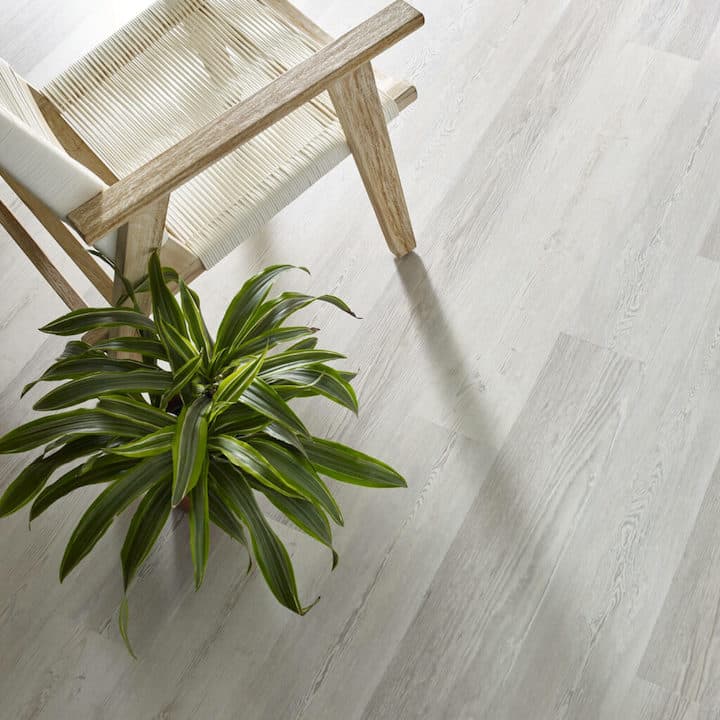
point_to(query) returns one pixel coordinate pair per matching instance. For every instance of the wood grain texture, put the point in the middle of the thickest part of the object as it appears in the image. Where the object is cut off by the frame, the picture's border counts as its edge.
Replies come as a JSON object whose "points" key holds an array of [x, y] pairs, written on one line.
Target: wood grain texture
{"points": [[564, 177], [39, 259], [483, 599], [200, 149], [67, 241], [402, 92], [682, 653], [137, 240], [357, 103]]}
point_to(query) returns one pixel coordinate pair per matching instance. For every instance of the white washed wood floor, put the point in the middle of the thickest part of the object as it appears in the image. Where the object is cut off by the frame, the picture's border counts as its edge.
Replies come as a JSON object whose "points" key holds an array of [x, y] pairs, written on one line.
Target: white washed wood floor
{"points": [[545, 371]]}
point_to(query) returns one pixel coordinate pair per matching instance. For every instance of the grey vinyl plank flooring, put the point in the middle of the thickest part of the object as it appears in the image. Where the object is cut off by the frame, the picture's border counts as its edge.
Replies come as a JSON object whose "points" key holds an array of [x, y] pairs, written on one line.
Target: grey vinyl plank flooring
{"points": [[485, 595], [682, 653], [646, 701], [544, 370], [683, 27]]}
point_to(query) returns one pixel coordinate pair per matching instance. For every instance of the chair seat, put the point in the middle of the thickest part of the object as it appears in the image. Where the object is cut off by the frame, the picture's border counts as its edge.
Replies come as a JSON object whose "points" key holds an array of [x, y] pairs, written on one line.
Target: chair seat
{"points": [[174, 68]]}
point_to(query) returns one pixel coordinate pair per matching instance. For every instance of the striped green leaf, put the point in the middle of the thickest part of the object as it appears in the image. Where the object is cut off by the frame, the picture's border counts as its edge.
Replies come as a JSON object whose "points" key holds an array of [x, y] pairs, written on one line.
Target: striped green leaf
{"points": [[280, 309], [164, 305], [261, 397], [76, 422], [148, 520], [98, 384], [182, 377], [234, 385], [200, 526], [80, 321], [321, 380], [222, 516], [298, 474], [139, 411], [305, 515], [146, 347], [269, 340], [103, 469], [270, 553], [342, 463], [156, 443], [296, 359], [245, 303], [189, 449], [110, 503], [195, 323], [245, 457], [34, 477], [123, 619]]}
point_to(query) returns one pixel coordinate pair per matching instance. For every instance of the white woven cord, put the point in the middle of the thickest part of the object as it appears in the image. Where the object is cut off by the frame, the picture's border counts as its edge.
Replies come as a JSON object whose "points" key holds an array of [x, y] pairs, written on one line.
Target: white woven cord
{"points": [[174, 68]]}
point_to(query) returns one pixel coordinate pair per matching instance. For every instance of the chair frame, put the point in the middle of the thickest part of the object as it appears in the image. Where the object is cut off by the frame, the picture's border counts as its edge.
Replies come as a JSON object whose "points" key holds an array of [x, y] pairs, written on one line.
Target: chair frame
{"points": [[137, 204]]}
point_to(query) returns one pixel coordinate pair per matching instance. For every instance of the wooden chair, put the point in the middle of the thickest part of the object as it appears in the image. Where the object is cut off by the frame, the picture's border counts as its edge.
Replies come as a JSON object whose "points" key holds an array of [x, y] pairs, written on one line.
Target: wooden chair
{"points": [[193, 125]]}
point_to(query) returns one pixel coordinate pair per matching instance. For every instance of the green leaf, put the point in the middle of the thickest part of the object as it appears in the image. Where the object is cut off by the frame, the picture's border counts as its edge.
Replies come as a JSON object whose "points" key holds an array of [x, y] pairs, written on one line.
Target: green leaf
{"points": [[269, 340], [189, 447], [278, 432], [148, 520], [76, 422], [169, 276], [222, 516], [305, 515], [179, 348], [181, 379], [75, 348], [200, 526], [138, 345], [300, 476], [245, 303], [123, 617], [261, 397], [81, 366], [165, 307], [234, 385], [270, 553], [321, 380], [111, 502], [80, 321], [342, 463], [247, 458], [237, 420], [307, 344], [296, 359], [196, 324], [277, 311], [99, 384], [34, 477], [139, 411], [156, 443], [103, 469]]}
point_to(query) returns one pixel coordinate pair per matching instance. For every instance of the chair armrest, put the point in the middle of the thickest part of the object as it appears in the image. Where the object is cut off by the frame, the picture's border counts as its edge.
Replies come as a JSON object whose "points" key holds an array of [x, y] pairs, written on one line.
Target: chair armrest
{"points": [[193, 154]]}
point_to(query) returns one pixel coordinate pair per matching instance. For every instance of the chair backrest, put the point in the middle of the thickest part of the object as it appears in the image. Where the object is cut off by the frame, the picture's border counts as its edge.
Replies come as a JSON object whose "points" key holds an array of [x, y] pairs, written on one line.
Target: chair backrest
{"points": [[30, 154]]}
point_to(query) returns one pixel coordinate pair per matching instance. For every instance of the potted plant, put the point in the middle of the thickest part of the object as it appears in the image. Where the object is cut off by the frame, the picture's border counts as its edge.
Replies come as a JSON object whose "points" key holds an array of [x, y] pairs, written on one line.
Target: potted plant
{"points": [[181, 417]]}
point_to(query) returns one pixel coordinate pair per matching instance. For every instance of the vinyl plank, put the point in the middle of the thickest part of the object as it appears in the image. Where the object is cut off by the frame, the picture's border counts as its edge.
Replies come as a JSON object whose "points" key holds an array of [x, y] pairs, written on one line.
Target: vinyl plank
{"points": [[646, 701], [497, 570], [591, 629], [679, 26], [682, 653]]}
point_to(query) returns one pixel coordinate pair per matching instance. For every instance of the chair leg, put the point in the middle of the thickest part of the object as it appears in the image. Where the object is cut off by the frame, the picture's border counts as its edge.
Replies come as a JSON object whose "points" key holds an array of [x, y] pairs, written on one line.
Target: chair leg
{"points": [[136, 241], [357, 103]]}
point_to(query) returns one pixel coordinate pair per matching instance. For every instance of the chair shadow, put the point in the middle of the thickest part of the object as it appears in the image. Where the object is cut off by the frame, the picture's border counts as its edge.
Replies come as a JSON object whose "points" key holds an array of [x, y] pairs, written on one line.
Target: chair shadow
{"points": [[457, 378]]}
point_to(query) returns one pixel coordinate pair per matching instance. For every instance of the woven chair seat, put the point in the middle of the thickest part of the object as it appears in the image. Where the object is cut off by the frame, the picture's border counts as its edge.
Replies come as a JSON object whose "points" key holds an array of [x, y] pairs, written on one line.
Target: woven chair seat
{"points": [[177, 66]]}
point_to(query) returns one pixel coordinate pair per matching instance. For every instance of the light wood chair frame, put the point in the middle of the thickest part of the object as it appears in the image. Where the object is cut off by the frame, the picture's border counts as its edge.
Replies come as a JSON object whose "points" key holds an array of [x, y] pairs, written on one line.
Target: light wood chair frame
{"points": [[137, 204]]}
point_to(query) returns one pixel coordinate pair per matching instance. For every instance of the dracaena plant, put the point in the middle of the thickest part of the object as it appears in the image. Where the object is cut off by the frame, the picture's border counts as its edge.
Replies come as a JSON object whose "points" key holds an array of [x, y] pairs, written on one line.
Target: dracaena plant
{"points": [[182, 417]]}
